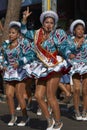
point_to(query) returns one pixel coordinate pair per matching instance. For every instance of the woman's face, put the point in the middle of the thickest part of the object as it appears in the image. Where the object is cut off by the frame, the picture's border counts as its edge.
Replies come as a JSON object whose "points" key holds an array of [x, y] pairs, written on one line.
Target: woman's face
{"points": [[13, 34], [79, 31], [48, 24]]}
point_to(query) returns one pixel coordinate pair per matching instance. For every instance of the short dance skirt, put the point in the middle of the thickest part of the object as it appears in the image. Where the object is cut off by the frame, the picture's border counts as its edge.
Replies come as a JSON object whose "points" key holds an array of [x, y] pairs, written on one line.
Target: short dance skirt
{"points": [[14, 74], [79, 68], [38, 69]]}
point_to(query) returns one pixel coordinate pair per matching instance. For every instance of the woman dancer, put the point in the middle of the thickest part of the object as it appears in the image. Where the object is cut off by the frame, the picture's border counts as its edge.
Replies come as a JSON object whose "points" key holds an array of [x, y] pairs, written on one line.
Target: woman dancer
{"points": [[76, 53], [14, 52], [49, 65]]}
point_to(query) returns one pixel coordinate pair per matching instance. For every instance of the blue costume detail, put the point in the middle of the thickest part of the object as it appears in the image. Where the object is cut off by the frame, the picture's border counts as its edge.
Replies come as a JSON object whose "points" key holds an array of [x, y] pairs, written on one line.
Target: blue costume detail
{"points": [[37, 68], [79, 63], [22, 54]]}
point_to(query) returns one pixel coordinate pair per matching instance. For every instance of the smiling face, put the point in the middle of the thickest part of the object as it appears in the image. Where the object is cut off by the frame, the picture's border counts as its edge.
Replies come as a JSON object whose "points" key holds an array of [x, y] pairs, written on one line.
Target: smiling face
{"points": [[48, 24], [79, 30]]}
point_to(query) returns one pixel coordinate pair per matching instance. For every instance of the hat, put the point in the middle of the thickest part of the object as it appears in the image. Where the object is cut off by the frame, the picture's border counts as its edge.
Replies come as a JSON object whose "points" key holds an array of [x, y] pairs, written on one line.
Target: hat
{"points": [[49, 13], [14, 23], [78, 21]]}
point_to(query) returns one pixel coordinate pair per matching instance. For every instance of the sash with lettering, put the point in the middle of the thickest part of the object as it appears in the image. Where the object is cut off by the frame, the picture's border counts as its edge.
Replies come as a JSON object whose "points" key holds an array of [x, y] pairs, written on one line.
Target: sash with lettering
{"points": [[48, 58]]}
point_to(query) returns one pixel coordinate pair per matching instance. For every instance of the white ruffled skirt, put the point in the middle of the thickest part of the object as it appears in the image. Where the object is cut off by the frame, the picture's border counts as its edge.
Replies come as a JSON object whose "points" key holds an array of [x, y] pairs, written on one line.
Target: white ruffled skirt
{"points": [[80, 68], [37, 69], [14, 74]]}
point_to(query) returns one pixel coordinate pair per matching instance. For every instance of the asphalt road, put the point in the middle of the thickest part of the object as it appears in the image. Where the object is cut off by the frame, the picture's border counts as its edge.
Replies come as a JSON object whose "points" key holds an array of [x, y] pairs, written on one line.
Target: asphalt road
{"points": [[39, 122]]}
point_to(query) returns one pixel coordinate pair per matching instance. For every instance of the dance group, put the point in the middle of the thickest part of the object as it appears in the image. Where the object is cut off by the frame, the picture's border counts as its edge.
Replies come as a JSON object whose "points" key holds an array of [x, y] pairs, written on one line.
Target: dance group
{"points": [[44, 55]]}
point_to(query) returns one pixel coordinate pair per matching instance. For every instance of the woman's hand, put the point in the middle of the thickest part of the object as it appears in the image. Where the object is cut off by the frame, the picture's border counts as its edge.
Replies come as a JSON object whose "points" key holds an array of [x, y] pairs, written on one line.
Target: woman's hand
{"points": [[80, 42], [71, 56], [4, 68], [15, 66], [26, 14]]}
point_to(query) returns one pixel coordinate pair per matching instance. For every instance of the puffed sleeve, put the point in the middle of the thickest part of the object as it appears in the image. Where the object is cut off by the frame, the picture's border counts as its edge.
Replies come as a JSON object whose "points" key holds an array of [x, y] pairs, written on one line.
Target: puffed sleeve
{"points": [[68, 47], [3, 52], [5, 44], [59, 37], [28, 54], [5, 59], [27, 33]]}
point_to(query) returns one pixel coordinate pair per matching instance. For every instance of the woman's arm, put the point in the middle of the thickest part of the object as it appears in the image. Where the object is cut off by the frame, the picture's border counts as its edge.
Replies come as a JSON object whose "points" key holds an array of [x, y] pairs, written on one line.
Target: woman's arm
{"points": [[26, 14], [27, 53]]}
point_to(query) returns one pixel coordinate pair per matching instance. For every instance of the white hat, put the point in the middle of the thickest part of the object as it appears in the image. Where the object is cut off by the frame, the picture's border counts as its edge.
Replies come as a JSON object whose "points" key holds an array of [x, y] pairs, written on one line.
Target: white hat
{"points": [[49, 13], [14, 23], [78, 21]]}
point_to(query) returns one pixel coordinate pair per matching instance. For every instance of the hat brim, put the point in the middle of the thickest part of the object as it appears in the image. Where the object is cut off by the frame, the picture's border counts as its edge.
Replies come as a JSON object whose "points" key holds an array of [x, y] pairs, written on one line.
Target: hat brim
{"points": [[49, 14], [14, 23], [76, 22]]}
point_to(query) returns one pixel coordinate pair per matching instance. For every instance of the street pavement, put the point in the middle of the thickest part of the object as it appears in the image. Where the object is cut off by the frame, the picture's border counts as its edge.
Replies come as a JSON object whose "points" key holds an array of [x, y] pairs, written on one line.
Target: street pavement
{"points": [[39, 122]]}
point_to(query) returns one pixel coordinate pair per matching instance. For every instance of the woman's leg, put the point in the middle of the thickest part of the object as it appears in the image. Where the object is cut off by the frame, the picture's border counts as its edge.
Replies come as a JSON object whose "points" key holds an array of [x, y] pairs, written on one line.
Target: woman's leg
{"points": [[25, 92], [27, 89], [64, 89], [39, 95], [76, 95], [84, 94], [28, 93], [10, 90], [20, 96], [40, 92], [52, 86], [76, 91]]}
